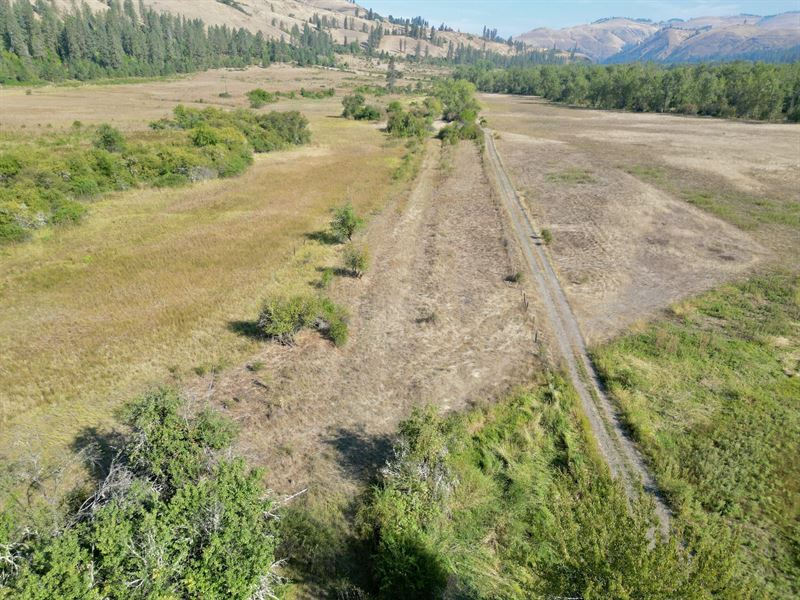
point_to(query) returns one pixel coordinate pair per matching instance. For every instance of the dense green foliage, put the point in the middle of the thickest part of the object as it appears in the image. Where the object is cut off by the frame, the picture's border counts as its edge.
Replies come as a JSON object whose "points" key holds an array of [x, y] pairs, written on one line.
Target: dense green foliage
{"points": [[345, 222], [355, 107], [459, 108], [44, 180], [713, 396], [414, 122], [38, 43], [282, 318], [259, 97], [510, 501], [747, 90], [174, 517]]}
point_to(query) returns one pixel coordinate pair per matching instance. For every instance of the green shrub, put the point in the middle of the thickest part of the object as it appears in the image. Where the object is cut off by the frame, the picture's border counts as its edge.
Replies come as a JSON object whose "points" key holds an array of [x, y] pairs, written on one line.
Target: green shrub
{"points": [[356, 260], [204, 136], [68, 212], [175, 515], [345, 222], [547, 236], [109, 138], [259, 97], [404, 123], [282, 318], [352, 105]]}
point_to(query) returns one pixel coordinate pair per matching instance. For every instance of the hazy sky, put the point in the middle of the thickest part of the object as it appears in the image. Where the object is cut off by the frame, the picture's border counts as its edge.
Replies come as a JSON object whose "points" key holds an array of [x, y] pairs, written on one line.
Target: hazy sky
{"points": [[512, 17]]}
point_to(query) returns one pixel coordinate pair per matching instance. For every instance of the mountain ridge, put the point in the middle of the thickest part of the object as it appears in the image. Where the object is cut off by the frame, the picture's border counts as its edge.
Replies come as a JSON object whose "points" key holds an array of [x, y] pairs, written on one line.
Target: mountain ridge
{"points": [[622, 39]]}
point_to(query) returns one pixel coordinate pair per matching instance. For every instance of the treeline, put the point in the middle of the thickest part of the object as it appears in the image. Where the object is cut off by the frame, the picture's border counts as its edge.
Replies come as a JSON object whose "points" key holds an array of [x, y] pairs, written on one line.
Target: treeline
{"points": [[47, 181], [37, 42], [740, 89]]}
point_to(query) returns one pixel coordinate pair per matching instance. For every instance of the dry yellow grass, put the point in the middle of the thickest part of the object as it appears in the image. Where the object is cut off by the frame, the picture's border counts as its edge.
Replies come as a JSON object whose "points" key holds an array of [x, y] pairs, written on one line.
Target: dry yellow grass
{"points": [[147, 287]]}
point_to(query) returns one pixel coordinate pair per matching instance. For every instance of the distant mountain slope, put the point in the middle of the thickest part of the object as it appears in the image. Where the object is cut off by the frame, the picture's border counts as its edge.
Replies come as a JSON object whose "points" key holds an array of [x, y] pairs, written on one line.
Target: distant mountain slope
{"points": [[775, 37], [598, 40], [275, 18]]}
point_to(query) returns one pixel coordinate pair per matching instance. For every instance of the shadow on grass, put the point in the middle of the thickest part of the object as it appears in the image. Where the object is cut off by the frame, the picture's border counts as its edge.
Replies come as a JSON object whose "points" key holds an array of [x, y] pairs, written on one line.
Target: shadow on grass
{"points": [[98, 449], [248, 329], [323, 237], [360, 454]]}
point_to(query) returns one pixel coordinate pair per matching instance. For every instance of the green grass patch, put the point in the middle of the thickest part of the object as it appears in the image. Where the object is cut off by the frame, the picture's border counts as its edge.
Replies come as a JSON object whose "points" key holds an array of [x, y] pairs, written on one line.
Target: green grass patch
{"points": [[712, 395], [648, 173], [746, 211], [571, 176]]}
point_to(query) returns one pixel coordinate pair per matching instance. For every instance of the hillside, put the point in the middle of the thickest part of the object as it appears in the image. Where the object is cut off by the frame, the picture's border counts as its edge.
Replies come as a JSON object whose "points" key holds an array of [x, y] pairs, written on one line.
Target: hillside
{"points": [[598, 40], [774, 37], [345, 21]]}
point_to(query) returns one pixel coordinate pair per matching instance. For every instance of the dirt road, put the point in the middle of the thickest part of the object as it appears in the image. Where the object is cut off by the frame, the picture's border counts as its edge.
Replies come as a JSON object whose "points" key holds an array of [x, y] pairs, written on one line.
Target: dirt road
{"points": [[622, 457]]}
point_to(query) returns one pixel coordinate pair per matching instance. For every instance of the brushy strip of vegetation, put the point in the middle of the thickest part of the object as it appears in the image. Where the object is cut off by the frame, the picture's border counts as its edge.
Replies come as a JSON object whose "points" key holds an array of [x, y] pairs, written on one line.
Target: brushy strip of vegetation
{"points": [[510, 501], [712, 394], [45, 181], [460, 109], [739, 89], [173, 516], [283, 318], [259, 97], [355, 107]]}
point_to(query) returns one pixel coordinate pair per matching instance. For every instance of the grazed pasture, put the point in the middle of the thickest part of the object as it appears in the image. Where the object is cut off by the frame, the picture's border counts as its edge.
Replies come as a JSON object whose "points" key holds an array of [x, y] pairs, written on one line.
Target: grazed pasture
{"points": [[647, 209]]}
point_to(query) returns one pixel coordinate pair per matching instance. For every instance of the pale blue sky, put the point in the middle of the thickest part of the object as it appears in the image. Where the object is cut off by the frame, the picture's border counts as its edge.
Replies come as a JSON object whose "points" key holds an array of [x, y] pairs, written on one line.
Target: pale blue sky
{"points": [[512, 17]]}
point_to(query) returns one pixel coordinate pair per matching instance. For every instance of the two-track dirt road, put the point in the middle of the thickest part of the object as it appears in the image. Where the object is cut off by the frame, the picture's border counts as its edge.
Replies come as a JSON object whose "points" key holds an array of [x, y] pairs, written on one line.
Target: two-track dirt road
{"points": [[622, 457]]}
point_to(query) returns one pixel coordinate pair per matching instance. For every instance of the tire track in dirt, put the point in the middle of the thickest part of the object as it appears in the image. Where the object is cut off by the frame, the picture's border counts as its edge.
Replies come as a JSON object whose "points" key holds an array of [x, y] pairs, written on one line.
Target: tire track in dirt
{"points": [[615, 445]]}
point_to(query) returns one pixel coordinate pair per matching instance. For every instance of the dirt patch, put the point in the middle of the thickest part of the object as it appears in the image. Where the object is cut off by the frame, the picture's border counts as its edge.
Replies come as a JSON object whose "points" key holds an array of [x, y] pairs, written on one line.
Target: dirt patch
{"points": [[625, 249], [433, 322]]}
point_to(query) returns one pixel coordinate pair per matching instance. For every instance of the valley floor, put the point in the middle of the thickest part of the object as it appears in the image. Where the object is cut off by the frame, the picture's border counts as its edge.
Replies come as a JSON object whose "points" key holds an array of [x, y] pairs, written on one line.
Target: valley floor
{"points": [[433, 322]]}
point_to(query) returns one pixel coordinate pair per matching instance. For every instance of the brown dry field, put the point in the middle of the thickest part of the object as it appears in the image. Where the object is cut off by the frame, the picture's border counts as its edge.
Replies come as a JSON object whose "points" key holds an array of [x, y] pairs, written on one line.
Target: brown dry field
{"points": [[612, 189], [145, 290], [323, 417]]}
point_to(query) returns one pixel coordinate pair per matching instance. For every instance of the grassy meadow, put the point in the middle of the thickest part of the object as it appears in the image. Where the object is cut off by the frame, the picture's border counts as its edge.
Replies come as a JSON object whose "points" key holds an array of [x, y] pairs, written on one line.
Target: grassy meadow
{"points": [[712, 394], [150, 286]]}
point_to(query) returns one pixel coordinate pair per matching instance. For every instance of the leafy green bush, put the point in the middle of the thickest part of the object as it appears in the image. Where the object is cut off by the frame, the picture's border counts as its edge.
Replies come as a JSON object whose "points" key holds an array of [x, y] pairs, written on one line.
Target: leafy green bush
{"points": [[108, 138], [259, 97], [345, 222], [355, 108], [407, 123], [356, 260], [174, 518], [282, 318]]}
